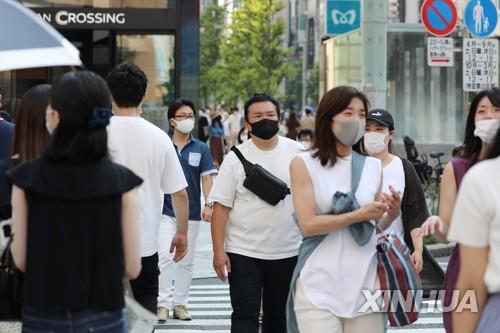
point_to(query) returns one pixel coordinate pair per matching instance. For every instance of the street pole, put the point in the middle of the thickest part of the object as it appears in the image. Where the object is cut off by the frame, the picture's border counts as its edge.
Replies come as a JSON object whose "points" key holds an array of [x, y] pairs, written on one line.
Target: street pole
{"points": [[303, 43]]}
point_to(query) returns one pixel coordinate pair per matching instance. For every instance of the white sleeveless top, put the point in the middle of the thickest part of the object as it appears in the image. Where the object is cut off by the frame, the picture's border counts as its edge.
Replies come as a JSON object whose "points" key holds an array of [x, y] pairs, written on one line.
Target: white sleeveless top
{"points": [[339, 269], [394, 175]]}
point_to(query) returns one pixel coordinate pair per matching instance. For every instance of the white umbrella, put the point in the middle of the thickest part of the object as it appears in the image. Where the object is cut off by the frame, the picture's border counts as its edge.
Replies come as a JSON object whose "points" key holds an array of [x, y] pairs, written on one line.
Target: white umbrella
{"points": [[26, 41]]}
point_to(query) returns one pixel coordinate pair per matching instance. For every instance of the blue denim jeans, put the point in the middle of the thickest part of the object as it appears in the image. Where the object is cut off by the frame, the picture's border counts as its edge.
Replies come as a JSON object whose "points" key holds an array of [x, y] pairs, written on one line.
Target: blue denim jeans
{"points": [[61, 321]]}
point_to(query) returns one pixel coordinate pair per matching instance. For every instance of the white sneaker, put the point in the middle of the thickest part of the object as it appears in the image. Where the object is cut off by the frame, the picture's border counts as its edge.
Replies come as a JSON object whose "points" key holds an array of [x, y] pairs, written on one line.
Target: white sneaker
{"points": [[180, 312], [162, 313]]}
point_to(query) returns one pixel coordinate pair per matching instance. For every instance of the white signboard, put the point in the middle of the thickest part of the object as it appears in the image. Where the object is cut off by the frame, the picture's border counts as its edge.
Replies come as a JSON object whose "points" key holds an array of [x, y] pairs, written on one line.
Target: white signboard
{"points": [[440, 52], [480, 64]]}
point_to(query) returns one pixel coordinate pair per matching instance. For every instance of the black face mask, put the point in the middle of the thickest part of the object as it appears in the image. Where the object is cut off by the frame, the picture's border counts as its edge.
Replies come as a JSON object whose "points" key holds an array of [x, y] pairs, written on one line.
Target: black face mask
{"points": [[265, 129]]}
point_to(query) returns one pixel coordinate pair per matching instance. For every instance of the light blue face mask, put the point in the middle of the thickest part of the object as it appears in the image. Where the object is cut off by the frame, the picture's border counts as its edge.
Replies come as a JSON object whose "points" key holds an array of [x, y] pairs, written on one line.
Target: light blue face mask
{"points": [[350, 132]]}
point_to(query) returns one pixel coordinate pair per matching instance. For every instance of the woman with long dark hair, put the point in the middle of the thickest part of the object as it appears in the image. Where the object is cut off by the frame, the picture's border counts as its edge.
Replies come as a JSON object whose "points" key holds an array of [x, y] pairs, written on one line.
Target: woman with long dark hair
{"points": [[75, 217], [339, 262], [475, 227], [29, 140], [30, 135], [482, 124], [216, 137], [292, 125]]}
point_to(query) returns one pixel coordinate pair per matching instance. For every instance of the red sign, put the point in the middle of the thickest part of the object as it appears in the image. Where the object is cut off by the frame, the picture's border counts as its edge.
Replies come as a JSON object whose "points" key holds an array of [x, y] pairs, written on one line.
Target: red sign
{"points": [[439, 16]]}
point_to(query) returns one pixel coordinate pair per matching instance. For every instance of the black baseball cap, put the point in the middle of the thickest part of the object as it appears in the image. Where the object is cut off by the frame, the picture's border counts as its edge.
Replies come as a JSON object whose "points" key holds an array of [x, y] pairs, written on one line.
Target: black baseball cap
{"points": [[382, 117]]}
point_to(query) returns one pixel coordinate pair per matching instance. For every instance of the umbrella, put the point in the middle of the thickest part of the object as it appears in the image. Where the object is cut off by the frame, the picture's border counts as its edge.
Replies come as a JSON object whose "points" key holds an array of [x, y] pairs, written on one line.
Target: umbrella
{"points": [[26, 41]]}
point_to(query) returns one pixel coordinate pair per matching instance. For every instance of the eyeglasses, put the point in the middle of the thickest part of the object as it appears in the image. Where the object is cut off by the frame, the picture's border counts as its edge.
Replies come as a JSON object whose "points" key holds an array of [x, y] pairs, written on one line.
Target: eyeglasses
{"points": [[184, 116]]}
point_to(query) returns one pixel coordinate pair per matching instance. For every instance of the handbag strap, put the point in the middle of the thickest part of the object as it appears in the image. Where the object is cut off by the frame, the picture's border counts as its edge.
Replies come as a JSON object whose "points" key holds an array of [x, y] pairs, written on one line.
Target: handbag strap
{"points": [[358, 162], [6, 260], [246, 164]]}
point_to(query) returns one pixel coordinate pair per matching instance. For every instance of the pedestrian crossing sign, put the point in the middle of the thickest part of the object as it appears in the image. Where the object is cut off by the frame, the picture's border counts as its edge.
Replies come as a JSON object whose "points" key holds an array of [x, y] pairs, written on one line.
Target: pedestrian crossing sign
{"points": [[481, 17]]}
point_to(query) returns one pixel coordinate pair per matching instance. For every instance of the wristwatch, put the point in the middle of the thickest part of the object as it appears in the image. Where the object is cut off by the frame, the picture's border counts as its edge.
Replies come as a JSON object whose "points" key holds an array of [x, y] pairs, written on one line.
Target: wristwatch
{"points": [[209, 205]]}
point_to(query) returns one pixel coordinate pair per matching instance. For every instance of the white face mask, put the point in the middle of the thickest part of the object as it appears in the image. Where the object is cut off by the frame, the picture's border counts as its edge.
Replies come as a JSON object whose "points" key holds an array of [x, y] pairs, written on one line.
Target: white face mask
{"points": [[306, 144], [375, 142], [185, 126], [487, 129]]}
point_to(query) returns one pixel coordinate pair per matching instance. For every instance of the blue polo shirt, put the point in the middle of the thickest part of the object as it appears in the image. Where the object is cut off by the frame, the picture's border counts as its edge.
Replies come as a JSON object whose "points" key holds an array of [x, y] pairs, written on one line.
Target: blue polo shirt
{"points": [[196, 161]]}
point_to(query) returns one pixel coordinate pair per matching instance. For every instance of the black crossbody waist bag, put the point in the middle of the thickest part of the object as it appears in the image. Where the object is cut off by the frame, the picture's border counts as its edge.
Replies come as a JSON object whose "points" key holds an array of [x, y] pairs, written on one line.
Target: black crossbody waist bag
{"points": [[261, 182]]}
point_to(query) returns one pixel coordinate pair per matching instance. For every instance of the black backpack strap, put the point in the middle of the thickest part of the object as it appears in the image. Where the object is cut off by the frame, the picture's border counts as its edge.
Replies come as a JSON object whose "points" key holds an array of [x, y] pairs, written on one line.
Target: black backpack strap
{"points": [[246, 164]]}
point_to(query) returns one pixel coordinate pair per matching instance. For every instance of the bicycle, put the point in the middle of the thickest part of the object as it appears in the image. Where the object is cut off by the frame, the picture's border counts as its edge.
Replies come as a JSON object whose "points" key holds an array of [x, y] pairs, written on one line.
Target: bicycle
{"points": [[426, 173]]}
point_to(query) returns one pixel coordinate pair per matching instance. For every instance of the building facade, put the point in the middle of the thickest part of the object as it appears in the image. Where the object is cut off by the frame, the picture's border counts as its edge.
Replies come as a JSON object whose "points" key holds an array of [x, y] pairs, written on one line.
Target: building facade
{"points": [[160, 36], [387, 59]]}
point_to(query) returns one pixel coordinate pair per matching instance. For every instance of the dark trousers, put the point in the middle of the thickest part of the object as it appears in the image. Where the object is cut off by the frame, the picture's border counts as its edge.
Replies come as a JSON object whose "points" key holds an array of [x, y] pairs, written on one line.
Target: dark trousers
{"points": [[62, 321], [145, 287], [252, 280]]}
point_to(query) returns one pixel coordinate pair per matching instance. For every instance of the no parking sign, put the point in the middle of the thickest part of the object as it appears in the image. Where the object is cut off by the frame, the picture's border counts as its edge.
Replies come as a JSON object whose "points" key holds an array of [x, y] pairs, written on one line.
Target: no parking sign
{"points": [[439, 16]]}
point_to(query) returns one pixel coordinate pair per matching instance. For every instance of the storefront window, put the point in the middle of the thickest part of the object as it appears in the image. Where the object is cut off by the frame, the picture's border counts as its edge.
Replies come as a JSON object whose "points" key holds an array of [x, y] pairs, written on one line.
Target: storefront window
{"points": [[6, 90], [101, 3], [345, 53], [155, 55], [427, 102]]}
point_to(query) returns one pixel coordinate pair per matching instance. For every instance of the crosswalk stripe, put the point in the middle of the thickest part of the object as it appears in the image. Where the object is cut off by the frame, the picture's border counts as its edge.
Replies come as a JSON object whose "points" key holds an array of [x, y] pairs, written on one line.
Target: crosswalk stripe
{"points": [[210, 286], [210, 306], [205, 298], [410, 330], [209, 292]]}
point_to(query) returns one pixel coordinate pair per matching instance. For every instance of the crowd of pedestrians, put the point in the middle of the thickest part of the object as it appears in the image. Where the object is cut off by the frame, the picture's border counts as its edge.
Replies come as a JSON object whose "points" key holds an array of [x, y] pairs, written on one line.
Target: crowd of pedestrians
{"points": [[96, 194]]}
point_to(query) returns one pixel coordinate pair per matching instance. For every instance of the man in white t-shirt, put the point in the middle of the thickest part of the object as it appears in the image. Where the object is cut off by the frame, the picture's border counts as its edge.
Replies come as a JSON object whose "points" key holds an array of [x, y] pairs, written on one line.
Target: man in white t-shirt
{"points": [[234, 121], [149, 152], [255, 242]]}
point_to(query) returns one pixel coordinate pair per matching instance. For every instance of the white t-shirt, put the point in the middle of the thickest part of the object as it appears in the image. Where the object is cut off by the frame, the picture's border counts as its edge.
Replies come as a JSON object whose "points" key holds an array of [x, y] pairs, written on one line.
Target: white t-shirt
{"points": [[225, 123], [148, 152], [394, 175], [234, 123], [339, 269], [255, 228], [476, 217]]}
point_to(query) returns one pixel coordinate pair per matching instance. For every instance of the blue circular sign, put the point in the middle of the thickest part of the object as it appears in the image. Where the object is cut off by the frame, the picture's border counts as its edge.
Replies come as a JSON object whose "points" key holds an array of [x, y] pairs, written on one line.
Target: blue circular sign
{"points": [[439, 16], [481, 17]]}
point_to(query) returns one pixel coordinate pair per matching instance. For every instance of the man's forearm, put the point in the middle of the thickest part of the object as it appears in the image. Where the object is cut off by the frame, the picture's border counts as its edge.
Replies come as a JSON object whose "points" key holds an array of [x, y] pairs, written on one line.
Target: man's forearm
{"points": [[180, 204], [206, 182], [218, 226]]}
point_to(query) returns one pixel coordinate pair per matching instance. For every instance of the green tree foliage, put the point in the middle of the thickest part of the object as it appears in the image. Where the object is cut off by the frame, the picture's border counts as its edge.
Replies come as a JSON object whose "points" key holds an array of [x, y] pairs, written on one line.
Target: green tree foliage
{"points": [[253, 56], [211, 38], [293, 89]]}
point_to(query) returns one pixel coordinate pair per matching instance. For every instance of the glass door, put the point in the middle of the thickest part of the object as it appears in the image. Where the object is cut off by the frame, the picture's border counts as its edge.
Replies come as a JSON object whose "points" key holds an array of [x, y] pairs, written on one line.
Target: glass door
{"points": [[155, 55]]}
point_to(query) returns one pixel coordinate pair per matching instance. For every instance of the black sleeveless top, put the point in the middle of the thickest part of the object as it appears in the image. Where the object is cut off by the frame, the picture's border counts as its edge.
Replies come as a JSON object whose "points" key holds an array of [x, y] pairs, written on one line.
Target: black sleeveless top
{"points": [[74, 256]]}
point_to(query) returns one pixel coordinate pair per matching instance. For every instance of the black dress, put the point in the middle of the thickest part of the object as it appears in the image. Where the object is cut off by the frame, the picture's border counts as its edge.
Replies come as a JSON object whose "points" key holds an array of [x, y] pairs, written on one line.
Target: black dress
{"points": [[413, 213], [74, 258]]}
